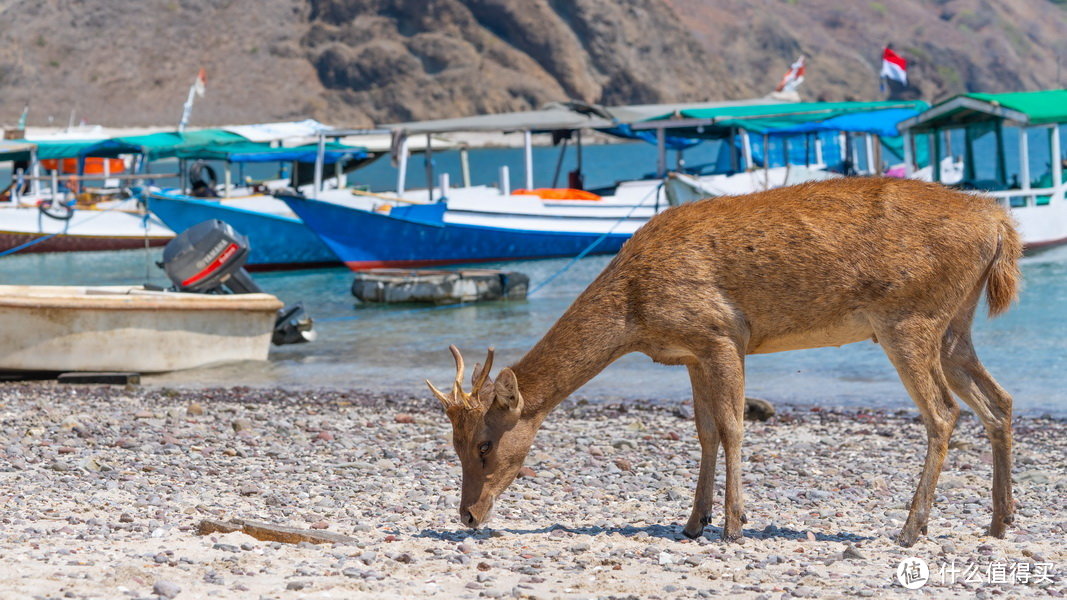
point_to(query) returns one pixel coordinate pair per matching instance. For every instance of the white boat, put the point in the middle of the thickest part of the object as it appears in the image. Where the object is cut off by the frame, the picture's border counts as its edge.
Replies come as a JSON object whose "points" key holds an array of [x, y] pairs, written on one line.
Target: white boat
{"points": [[121, 328], [109, 225], [1034, 188]]}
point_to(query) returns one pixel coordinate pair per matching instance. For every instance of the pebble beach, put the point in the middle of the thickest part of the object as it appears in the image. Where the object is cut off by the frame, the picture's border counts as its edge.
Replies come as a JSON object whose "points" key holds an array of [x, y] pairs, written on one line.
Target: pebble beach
{"points": [[103, 489]]}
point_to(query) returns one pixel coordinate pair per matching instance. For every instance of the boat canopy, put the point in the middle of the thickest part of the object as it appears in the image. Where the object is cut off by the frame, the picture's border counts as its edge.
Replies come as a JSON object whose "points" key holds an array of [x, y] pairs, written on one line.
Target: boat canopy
{"points": [[274, 132], [165, 144], [254, 152], [553, 117], [880, 118], [16, 150], [1024, 108]]}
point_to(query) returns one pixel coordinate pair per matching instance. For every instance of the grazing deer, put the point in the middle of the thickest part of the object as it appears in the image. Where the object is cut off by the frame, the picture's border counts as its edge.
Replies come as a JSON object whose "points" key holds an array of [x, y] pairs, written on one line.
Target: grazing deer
{"points": [[900, 262]]}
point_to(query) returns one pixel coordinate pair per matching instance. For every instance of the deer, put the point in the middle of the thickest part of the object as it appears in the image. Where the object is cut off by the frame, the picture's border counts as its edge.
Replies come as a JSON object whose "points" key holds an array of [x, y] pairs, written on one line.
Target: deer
{"points": [[900, 262]]}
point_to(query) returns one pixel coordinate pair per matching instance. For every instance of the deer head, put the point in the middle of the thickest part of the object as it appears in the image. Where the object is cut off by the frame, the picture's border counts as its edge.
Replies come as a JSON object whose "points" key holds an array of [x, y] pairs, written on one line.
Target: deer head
{"points": [[489, 433]]}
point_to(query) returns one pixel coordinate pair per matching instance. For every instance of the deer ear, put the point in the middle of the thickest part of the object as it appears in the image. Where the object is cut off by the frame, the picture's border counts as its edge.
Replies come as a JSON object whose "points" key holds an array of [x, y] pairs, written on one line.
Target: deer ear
{"points": [[507, 391]]}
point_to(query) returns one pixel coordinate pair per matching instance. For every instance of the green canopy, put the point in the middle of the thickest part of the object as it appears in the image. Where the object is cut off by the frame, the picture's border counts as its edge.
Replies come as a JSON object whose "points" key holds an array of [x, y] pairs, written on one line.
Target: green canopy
{"points": [[1023, 108], [166, 144], [793, 118], [15, 150]]}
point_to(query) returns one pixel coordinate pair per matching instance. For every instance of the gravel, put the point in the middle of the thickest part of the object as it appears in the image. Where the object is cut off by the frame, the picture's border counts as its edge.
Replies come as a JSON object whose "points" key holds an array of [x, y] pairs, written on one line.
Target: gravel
{"points": [[103, 487]]}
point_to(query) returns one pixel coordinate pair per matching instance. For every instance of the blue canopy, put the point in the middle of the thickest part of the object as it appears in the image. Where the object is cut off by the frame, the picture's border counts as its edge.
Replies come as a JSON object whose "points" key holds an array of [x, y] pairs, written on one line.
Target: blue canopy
{"points": [[256, 152]]}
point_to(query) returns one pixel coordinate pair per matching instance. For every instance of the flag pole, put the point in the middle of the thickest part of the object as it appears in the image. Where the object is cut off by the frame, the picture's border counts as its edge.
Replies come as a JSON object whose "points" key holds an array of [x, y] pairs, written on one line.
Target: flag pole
{"points": [[197, 89]]}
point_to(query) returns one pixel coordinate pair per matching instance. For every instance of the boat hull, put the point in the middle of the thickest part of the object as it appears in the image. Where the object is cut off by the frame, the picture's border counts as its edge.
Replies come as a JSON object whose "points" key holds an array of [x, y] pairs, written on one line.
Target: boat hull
{"points": [[71, 328], [75, 243], [277, 241], [368, 239], [118, 227]]}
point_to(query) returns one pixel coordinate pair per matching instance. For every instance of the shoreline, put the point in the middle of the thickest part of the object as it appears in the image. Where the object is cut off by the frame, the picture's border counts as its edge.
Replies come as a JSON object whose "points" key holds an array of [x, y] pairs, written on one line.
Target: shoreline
{"points": [[103, 489]]}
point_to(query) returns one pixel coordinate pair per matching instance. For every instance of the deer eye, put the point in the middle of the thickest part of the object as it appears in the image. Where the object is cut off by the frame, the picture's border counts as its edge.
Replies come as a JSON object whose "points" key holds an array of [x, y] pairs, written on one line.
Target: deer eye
{"points": [[485, 447]]}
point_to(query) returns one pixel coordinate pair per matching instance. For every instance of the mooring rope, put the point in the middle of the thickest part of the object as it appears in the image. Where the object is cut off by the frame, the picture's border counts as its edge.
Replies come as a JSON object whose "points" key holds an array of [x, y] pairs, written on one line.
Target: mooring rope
{"points": [[585, 252]]}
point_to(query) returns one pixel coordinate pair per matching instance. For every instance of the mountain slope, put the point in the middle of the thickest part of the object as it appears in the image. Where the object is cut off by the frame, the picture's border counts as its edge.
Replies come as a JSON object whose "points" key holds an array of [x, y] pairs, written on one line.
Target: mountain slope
{"points": [[356, 62]]}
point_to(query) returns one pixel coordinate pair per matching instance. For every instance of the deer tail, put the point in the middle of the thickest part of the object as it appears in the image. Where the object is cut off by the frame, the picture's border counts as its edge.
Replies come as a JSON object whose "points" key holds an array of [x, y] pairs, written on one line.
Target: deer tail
{"points": [[1002, 287]]}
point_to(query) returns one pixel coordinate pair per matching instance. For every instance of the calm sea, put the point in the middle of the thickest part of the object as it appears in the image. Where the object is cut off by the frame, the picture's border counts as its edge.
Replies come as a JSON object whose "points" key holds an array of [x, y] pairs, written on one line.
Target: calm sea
{"points": [[377, 348]]}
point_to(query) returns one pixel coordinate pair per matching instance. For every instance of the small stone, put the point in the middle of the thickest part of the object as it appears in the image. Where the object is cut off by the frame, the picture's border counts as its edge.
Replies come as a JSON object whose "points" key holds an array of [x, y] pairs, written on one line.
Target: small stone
{"points": [[194, 409], [320, 525], [240, 425], [125, 518], [527, 472], [851, 552], [324, 436], [249, 489], [167, 589], [404, 418], [624, 464], [144, 414], [483, 566], [296, 585]]}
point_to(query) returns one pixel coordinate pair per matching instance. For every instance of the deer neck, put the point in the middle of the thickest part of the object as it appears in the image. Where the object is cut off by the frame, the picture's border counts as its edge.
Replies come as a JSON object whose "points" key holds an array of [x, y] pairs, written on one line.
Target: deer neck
{"points": [[585, 340]]}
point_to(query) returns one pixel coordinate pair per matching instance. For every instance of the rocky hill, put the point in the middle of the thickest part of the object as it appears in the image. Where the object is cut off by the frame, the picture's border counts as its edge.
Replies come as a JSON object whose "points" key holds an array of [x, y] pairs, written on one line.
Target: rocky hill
{"points": [[356, 62]]}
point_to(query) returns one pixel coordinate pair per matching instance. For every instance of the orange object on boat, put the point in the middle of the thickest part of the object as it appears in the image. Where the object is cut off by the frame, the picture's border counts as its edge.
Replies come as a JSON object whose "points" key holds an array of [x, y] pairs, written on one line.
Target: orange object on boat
{"points": [[558, 194], [94, 165]]}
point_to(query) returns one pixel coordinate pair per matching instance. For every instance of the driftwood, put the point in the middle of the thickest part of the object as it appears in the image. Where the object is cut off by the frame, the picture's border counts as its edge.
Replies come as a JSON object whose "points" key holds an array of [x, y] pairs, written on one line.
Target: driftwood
{"points": [[272, 533]]}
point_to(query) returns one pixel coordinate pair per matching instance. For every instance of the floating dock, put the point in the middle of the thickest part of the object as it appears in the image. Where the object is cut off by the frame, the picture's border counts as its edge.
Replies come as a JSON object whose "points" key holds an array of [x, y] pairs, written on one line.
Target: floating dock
{"points": [[392, 286]]}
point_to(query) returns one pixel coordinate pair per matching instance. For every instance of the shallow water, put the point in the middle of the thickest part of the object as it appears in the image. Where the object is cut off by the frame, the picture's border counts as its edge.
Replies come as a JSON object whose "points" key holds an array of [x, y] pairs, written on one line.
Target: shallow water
{"points": [[380, 348], [396, 348]]}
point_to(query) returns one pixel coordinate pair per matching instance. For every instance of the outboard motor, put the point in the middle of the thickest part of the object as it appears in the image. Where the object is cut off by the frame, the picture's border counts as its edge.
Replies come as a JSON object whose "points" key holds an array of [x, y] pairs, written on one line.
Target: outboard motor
{"points": [[209, 258]]}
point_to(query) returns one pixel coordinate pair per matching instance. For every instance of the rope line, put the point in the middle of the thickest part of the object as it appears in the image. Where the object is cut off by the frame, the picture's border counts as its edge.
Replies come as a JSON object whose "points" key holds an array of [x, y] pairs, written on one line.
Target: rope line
{"points": [[585, 252]]}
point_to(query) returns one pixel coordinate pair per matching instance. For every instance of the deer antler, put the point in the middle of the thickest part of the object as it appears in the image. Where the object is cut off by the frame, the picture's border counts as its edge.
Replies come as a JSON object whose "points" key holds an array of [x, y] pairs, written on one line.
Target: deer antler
{"points": [[458, 397], [481, 374]]}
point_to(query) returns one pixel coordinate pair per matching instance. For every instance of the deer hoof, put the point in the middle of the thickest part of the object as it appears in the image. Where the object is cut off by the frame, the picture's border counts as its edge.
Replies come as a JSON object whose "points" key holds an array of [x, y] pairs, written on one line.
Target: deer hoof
{"points": [[908, 537], [694, 534], [731, 537]]}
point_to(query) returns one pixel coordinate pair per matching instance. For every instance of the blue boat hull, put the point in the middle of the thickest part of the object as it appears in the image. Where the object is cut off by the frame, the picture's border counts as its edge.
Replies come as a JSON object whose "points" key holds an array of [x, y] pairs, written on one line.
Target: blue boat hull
{"points": [[417, 237], [277, 242]]}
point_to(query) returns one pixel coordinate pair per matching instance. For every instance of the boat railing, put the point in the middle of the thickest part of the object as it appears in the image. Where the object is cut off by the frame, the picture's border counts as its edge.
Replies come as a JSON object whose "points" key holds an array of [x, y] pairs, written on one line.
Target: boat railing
{"points": [[1020, 198]]}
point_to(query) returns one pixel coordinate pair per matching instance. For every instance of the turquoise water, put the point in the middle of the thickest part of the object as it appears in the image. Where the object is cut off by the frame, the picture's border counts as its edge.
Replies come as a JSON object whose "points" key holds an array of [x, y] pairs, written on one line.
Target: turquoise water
{"points": [[377, 348]]}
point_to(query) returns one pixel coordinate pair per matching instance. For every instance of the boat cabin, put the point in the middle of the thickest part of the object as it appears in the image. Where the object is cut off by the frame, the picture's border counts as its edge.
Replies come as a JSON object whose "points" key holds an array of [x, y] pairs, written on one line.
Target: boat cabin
{"points": [[1009, 146]]}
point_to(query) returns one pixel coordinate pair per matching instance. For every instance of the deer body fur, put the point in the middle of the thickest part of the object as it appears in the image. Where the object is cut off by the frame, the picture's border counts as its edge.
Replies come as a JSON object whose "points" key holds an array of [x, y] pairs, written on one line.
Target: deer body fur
{"points": [[822, 264]]}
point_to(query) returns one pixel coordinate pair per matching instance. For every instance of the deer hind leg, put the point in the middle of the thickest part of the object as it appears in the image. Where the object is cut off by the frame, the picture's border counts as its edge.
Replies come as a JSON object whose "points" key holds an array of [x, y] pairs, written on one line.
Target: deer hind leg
{"points": [[915, 354], [709, 451], [723, 375], [972, 383]]}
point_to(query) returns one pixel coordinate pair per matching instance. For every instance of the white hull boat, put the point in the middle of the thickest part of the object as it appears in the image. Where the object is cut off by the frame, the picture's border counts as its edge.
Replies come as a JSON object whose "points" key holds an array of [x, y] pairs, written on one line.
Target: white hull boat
{"points": [[122, 328], [111, 225]]}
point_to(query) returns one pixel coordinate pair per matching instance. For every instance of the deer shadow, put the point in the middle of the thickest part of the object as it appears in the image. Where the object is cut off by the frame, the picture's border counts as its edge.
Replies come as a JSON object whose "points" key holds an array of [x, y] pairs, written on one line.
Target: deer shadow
{"points": [[667, 532]]}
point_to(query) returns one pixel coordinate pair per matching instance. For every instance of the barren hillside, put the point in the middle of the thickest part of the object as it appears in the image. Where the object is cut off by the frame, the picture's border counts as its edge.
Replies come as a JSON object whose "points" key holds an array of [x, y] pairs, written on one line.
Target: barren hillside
{"points": [[355, 62]]}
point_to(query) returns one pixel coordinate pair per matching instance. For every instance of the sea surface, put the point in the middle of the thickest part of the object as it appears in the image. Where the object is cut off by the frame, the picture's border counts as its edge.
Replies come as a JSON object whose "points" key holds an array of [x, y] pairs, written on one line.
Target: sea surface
{"points": [[396, 348]]}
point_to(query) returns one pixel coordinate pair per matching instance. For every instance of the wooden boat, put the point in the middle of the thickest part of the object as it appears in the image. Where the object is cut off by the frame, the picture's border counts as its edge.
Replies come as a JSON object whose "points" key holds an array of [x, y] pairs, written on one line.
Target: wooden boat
{"points": [[121, 328], [984, 126]]}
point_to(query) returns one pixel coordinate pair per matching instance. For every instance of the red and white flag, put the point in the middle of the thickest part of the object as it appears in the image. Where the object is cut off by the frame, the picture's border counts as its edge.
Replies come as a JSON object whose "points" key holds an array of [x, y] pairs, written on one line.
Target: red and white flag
{"points": [[792, 78], [894, 66], [201, 82]]}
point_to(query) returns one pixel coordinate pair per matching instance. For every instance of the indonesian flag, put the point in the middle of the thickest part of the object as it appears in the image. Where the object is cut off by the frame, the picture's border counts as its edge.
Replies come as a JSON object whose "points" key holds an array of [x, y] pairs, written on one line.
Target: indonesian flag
{"points": [[201, 82], [792, 78], [894, 66]]}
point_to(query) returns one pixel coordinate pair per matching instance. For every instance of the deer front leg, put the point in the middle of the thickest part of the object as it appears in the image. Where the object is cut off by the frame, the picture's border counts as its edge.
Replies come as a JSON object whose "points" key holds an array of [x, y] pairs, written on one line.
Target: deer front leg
{"points": [[709, 450], [725, 381]]}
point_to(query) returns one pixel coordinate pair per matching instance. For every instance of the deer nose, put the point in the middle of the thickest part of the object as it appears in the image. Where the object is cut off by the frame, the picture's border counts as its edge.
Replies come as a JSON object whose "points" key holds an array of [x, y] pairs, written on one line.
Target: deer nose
{"points": [[467, 518]]}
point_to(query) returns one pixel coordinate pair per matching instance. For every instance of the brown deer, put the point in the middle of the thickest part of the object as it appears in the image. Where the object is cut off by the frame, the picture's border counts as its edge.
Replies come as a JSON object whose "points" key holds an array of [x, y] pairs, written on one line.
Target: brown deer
{"points": [[900, 262]]}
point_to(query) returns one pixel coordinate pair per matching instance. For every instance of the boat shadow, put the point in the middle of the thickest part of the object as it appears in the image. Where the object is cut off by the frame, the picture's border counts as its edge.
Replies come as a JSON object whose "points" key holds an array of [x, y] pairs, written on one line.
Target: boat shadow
{"points": [[667, 532]]}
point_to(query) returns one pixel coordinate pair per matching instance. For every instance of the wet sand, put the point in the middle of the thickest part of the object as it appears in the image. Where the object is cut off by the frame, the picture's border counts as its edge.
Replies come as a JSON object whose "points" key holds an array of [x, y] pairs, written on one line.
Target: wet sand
{"points": [[102, 490]]}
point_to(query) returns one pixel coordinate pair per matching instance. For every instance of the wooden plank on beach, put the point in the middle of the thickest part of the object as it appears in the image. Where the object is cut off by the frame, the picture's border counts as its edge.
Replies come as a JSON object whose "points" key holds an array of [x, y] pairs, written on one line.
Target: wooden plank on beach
{"points": [[101, 378], [272, 533]]}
